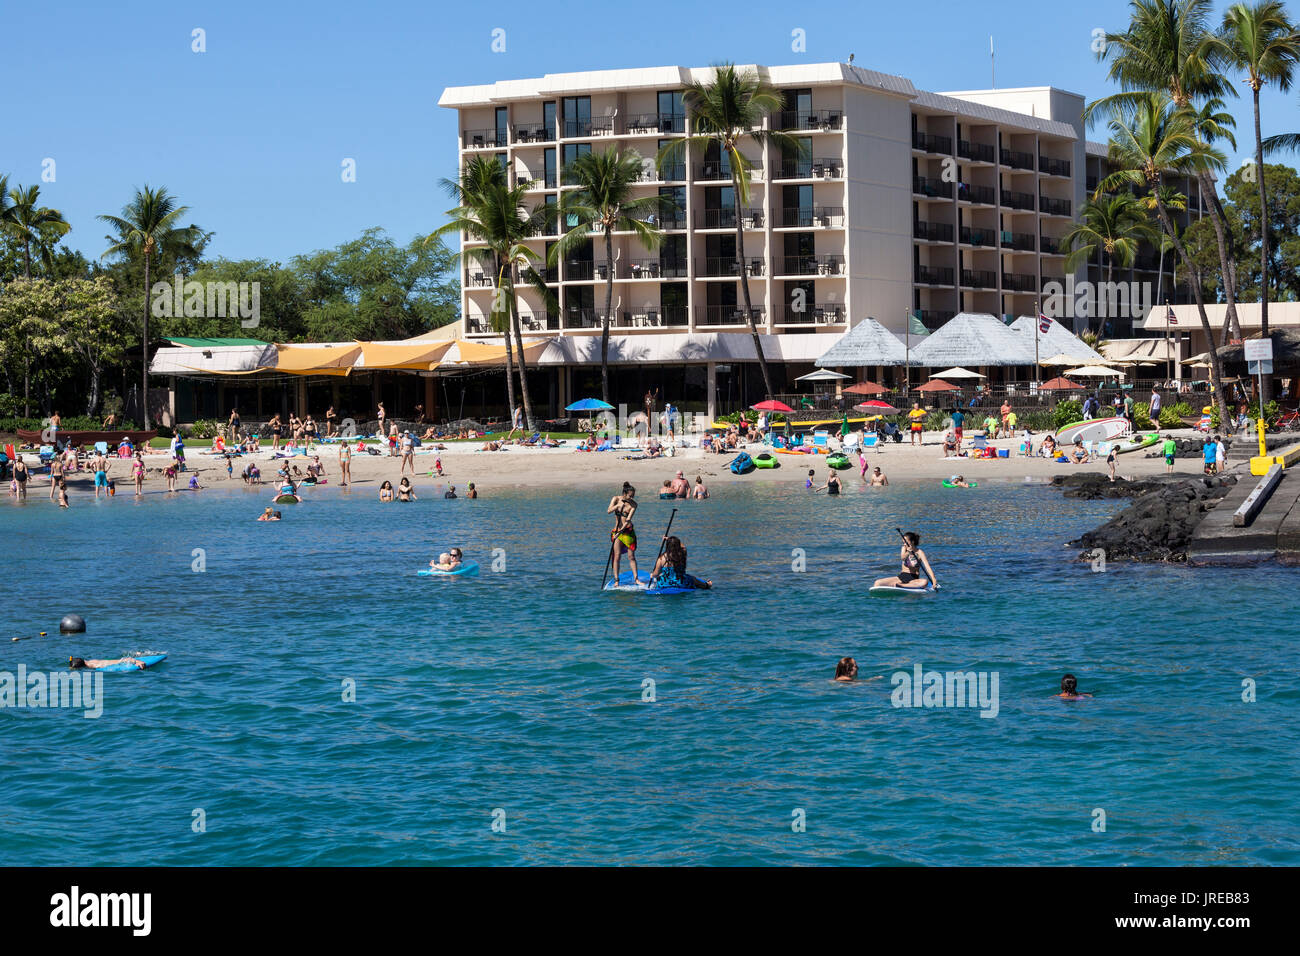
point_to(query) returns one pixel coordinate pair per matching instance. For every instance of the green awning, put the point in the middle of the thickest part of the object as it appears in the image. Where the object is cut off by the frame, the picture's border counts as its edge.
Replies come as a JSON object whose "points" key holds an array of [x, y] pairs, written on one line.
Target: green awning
{"points": [[214, 343]]}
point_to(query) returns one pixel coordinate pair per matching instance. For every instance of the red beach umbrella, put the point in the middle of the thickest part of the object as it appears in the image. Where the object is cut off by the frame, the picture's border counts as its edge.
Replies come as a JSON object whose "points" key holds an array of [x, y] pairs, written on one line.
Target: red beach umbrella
{"points": [[772, 405], [938, 385], [865, 388]]}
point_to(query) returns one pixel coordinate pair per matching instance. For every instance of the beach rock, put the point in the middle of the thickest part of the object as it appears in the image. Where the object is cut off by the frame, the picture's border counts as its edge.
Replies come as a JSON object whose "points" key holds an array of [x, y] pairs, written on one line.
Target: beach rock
{"points": [[1159, 522]]}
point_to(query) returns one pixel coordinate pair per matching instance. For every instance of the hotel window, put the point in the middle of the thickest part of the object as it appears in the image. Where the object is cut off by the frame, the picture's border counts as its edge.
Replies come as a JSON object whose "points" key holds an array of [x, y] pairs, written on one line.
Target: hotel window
{"points": [[503, 126], [571, 152], [548, 160], [672, 113], [548, 118], [674, 216], [577, 116]]}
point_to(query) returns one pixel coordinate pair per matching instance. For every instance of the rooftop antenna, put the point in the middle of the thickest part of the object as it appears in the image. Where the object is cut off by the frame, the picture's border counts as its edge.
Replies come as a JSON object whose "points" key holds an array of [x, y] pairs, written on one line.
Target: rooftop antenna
{"points": [[850, 58], [993, 78]]}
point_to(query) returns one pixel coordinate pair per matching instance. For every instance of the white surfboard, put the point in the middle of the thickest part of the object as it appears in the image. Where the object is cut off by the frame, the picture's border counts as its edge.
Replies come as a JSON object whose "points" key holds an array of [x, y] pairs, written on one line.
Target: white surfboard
{"points": [[1096, 429]]}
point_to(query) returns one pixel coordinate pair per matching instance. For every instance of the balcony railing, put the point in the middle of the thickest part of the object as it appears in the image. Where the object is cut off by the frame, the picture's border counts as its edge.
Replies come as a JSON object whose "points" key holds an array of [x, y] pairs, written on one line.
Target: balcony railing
{"points": [[653, 317], [577, 270], [1053, 167], [930, 275], [656, 123], [934, 188], [809, 217], [977, 152], [1054, 207], [932, 231], [809, 266], [1019, 282], [821, 314], [979, 278], [933, 319], [809, 119], [535, 180], [668, 173], [931, 143], [645, 269], [477, 279], [1019, 241], [719, 171], [485, 139], [578, 318], [539, 321], [1017, 159], [534, 133], [978, 237], [1049, 245], [727, 266], [1018, 200], [726, 219], [577, 127], [728, 315], [980, 194], [809, 169]]}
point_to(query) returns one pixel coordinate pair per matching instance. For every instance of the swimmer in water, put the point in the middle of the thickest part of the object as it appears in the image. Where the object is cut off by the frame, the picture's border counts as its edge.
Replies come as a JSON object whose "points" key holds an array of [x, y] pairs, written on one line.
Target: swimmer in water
{"points": [[878, 478], [808, 482], [1070, 688], [914, 562], [270, 514], [473, 492], [846, 670], [82, 664], [448, 560], [386, 491], [832, 485], [959, 481], [405, 492]]}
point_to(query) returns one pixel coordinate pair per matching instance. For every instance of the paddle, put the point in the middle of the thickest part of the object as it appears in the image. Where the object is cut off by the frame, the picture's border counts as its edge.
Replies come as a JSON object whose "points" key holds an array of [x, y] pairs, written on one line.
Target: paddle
{"points": [[608, 562]]}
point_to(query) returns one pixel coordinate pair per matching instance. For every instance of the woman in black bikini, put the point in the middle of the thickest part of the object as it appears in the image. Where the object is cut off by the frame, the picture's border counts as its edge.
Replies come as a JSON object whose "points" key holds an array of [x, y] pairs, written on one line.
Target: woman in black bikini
{"points": [[623, 507], [914, 560]]}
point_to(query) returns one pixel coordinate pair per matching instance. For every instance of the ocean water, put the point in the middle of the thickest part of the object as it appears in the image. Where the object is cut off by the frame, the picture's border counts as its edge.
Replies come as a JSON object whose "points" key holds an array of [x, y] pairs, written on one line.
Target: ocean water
{"points": [[515, 699]]}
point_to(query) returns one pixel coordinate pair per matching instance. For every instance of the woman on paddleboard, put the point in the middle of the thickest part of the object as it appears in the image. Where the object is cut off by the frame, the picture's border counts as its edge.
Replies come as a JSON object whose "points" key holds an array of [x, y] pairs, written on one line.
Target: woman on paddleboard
{"points": [[623, 507], [670, 569], [914, 564]]}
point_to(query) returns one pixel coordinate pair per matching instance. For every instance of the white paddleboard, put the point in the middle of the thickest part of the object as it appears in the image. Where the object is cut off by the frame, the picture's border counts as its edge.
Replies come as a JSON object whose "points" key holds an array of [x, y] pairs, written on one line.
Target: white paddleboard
{"points": [[889, 590], [1096, 429]]}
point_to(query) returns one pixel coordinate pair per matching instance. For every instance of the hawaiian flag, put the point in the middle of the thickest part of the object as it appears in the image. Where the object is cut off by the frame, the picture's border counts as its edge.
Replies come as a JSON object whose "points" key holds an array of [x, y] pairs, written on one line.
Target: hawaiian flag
{"points": [[1169, 315], [1044, 323]]}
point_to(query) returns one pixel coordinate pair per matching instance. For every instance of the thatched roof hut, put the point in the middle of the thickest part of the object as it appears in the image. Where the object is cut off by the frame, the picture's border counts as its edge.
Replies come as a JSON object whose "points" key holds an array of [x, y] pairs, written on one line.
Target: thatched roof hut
{"points": [[867, 343], [1057, 340], [974, 338]]}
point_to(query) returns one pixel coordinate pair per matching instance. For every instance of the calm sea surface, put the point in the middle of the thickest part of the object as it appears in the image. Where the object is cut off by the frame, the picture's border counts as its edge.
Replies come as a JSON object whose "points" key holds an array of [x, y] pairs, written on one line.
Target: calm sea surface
{"points": [[517, 697]]}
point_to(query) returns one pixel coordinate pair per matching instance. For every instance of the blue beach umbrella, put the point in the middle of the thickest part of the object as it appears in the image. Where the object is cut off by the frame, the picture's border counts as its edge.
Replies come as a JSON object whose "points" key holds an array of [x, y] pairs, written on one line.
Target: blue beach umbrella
{"points": [[589, 405]]}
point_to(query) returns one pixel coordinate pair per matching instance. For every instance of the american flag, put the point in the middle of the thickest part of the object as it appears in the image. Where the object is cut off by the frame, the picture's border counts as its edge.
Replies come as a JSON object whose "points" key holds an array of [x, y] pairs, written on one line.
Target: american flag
{"points": [[1169, 315], [1044, 323]]}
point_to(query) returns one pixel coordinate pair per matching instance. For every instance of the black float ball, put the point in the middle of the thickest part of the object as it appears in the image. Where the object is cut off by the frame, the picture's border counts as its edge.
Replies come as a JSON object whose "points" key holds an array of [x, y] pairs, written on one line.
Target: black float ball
{"points": [[72, 624]]}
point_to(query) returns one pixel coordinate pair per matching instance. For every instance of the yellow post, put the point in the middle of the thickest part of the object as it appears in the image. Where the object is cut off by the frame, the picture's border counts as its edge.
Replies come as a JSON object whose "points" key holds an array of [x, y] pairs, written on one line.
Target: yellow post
{"points": [[1262, 448], [1261, 465]]}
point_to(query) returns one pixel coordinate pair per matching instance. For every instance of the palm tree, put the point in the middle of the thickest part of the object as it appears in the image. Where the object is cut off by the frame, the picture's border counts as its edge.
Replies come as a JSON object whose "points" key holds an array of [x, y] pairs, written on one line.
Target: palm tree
{"points": [[492, 213], [149, 224], [727, 112], [34, 225], [1149, 138], [1262, 41], [1174, 201], [1114, 224], [1214, 125], [602, 204]]}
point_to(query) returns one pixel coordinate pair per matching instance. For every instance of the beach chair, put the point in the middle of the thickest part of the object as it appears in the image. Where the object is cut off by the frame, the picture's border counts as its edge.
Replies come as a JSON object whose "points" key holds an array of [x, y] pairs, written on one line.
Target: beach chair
{"points": [[46, 454], [821, 440], [979, 443], [852, 442]]}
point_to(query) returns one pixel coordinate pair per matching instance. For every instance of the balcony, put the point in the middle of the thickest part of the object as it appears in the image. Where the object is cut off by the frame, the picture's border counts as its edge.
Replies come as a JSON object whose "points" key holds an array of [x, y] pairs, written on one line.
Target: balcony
{"points": [[539, 321], [667, 173], [656, 123], [534, 181], [577, 128], [975, 152], [933, 319], [576, 270], [929, 275], [932, 231], [1018, 241], [485, 139], [1053, 167], [649, 318], [931, 143], [979, 278], [726, 219], [645, 269], [1019, 282], [976, 194], [1049, 246], [932, 188], [676, 219], [1017, 159], [821, 314], [1018, 200], [810, 169], [808, 120], [1054, 207], [721, 172], [809, 266], [727, 315], [809, 217], [534, 133], [478, 279], [721, 266], [978, 237]]}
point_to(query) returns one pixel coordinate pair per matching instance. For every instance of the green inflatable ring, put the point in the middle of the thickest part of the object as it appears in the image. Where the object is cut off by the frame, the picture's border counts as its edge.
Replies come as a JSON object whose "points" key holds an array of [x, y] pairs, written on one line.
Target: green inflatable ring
{"points": [[970, 484]]}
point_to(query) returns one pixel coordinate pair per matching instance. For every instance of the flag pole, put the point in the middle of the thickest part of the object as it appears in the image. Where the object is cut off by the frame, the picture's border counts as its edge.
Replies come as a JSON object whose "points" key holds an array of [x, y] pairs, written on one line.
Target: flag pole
{"points": [[1038, 369], [907, 352]]}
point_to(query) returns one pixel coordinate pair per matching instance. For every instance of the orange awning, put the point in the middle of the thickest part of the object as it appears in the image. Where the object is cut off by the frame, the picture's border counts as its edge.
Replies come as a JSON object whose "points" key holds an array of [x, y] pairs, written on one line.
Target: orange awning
{"points": [[421, 356], [487, 353], [316, 359]]}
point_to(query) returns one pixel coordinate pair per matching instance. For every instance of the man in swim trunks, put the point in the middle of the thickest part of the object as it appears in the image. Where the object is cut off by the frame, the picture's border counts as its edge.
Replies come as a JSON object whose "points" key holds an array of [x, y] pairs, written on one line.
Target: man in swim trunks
{"points": [[917, 416], [679, 486], [101, 466], [623, 507], [958, 418], [878, 479]]}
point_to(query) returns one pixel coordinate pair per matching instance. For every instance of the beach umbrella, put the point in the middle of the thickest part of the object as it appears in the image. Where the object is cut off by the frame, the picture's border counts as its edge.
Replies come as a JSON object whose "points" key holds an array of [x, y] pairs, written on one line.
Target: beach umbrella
{"points": [[877, 408], [1095, 371], [823, 375], [589, 405], [1059, 385], [865, 388], [938, 385], [771, 405], [957, 373], [1065, 359]]}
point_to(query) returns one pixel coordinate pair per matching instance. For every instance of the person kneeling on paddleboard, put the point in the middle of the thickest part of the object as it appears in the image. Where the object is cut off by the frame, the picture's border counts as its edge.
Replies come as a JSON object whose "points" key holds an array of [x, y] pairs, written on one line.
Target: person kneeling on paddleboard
{"points": [[670, 569], [914, 562], [448, 560]]}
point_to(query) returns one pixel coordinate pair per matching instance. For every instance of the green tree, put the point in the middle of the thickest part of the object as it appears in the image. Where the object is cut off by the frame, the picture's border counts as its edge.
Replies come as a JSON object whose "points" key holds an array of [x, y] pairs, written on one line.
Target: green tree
{"points": [[1115, 224], [1283, 192], [149, 222], [92, 327], [29, 322], [34, 225], [727, 112], [603, 203]]}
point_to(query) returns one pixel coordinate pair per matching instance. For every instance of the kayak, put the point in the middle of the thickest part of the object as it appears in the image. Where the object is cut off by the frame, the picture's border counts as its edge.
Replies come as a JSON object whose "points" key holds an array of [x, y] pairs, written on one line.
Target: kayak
{"points": [[839, 461], [893, 590], [149, 660], [466, 567], [766, 460], [971, 484], [625, 582], [1142, 441], [742, 464]]}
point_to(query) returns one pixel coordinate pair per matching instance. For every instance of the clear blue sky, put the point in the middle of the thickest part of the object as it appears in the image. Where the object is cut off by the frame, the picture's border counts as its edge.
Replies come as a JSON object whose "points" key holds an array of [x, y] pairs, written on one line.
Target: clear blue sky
{"points": [[251, 134]]}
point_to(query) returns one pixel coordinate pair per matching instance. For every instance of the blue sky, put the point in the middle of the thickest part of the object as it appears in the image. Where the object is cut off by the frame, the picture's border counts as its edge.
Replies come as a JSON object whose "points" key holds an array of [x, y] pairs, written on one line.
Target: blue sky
{"points": [[251, 134]]}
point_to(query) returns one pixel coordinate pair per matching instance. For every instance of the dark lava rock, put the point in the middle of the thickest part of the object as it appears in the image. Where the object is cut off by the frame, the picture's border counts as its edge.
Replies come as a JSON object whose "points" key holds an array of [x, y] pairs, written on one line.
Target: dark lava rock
{"points": [[1159, 522]]}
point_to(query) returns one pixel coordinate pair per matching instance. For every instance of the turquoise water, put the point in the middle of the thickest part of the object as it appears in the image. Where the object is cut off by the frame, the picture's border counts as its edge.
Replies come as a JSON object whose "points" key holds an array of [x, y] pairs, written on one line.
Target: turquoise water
{"points": [[521, 690]]}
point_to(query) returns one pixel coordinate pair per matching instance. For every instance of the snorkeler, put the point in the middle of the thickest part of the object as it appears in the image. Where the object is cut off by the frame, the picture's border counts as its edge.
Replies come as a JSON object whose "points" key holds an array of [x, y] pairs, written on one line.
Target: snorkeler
{"points": [[82, 664], [914, 561]]}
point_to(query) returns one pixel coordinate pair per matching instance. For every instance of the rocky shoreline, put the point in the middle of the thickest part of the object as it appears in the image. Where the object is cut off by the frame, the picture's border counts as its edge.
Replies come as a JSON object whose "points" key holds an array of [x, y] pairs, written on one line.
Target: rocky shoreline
{"points": [[1159, 523]]}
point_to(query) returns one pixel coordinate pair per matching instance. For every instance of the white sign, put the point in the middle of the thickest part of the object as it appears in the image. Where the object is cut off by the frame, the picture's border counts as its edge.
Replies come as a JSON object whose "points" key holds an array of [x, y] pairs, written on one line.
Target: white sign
{"points": [[1258, 350]]}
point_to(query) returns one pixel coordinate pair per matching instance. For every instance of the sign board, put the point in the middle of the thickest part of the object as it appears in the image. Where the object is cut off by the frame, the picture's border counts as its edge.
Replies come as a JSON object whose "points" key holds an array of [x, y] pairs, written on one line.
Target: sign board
{"points": [[1262, 367], [1258, 350]]}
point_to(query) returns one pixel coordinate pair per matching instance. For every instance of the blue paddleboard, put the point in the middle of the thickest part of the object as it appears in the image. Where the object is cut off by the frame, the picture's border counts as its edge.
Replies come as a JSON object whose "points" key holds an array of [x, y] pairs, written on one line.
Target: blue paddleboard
{"points": [[466, 567], [626, 582], [149, 660]]}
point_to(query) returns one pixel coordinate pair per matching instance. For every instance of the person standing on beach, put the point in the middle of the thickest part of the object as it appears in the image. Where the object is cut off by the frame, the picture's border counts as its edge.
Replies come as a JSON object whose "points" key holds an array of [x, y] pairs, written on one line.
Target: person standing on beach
{"points": [[1220, 454], [21, 474], [1154, 413], [275, 428], [345, 463], [101, 473], [958, 419], [917, 415], [623, 507], [1170, 449], [56, 421], [1004, 427], [408, 453], [380, 430], [233, 425], [330, 417], [56, 474]]}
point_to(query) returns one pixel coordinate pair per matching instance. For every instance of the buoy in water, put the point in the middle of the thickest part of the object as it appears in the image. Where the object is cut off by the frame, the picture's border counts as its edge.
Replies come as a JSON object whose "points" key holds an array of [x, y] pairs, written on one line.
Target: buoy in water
{"points": [[72, 624]]}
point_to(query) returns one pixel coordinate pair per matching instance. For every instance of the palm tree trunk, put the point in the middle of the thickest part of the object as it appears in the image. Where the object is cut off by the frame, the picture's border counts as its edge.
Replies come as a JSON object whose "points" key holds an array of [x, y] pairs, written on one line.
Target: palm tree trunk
{"points": [[609, 304], [1263, 244], [1219, 221], [27, 257], [510, 381], [144, 349], [519, 340], [744, 289], [1194, 280]]}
